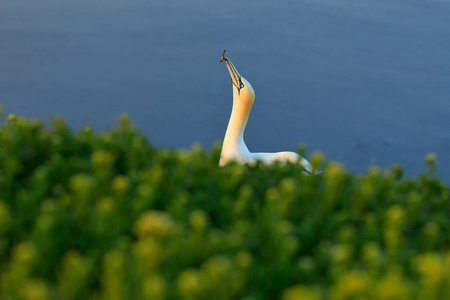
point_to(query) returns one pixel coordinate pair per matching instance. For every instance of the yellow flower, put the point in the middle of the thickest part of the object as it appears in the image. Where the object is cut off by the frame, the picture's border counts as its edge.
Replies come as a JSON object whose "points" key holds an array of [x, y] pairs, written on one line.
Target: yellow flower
{"points": [[287, 186], [395, 215], [197, 220], [183, 157], [148, 252], [105, 205], [114, 261], [153, 223], [430, 159], [59, 123], [120, 184], [272, 194], [73, 275], [243, 259], [197, 147], [300, 292], [154, 287], [366, 189], [340, 253], [218, 268], [190, 283], [431, 267], [372, 254], [352, 284], [316, 159], [392, 286], [334, 171], [414, 201], [81, 183], [113, 275], [124, 121], [102, 158], [24, 253], [355, 283], [35, 290], [12, 118]]}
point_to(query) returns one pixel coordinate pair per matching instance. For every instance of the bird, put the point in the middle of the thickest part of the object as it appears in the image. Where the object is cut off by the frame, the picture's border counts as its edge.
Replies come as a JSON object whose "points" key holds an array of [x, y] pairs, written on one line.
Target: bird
{"points": [[233, 147]]}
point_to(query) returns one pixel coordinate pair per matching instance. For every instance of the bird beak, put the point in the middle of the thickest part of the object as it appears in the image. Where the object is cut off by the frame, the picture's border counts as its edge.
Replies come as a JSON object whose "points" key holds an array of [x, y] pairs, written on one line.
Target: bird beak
{"points": [[235, 76]]}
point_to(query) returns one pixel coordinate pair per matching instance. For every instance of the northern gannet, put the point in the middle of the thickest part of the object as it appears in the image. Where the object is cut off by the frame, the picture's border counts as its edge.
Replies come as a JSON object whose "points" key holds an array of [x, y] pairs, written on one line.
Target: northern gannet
{"points": [[234, 148]]}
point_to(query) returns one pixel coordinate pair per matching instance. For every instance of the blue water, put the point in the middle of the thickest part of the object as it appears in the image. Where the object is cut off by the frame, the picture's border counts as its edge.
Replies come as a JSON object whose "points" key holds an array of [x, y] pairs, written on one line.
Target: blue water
{"points": [[365, 82]]}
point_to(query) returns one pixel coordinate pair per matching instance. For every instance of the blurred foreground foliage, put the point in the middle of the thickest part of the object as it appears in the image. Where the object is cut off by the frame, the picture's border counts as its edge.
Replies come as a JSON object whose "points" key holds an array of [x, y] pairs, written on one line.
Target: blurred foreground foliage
{"points": [[86, 215]]}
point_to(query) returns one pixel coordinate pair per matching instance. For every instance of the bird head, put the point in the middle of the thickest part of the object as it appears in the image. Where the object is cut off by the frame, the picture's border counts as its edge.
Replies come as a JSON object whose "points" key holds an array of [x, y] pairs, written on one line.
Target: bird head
{"points": [[241, 87]]}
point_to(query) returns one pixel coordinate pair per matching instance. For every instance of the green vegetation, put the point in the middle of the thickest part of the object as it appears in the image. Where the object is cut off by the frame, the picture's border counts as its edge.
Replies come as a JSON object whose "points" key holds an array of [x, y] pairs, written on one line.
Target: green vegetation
{"points": [[86, 215]]}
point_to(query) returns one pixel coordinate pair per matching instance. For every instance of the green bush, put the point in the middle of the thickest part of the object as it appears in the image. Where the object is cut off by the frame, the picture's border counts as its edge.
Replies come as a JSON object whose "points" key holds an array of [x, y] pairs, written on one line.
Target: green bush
{"points": [[86, 215]]}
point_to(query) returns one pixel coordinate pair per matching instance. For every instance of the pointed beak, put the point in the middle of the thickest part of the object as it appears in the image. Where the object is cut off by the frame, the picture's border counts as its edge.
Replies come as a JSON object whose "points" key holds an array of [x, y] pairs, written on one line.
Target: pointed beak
{"points": [[235, 76]]}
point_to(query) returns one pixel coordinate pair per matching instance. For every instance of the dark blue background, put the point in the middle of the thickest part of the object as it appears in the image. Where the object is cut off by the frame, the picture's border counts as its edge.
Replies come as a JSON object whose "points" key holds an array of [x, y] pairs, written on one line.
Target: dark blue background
{"points": [[365, 82]]}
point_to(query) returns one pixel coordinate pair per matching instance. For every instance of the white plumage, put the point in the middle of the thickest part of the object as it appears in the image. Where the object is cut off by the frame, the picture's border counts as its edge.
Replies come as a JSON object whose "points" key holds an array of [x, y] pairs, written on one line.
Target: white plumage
{"points": [[234, 148]]}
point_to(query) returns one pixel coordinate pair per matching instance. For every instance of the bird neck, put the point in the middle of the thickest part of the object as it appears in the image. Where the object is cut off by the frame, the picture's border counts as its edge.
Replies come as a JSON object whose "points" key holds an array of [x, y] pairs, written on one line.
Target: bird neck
{"points": [[234, 136]]}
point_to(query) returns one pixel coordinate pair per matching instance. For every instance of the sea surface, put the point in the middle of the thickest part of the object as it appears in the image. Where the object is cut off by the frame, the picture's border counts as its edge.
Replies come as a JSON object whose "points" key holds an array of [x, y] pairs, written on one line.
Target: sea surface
{"points": [[365, 82]]}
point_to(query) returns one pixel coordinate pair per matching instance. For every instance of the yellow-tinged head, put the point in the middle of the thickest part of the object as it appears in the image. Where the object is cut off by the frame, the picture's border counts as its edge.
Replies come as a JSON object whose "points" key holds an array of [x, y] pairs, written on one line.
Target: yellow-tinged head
{"points": [[242, 89]]}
